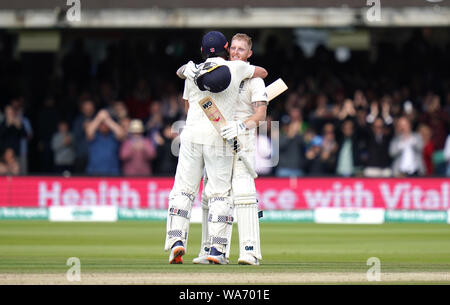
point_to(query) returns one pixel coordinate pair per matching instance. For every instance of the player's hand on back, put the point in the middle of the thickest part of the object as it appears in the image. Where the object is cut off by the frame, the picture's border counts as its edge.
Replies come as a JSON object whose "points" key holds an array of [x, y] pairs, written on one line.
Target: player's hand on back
{"points": [[190, 70]]}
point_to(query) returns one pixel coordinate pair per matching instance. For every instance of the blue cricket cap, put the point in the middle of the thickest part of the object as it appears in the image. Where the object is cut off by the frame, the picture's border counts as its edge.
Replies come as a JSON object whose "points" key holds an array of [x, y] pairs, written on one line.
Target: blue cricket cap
{"points": [[214, 44]]}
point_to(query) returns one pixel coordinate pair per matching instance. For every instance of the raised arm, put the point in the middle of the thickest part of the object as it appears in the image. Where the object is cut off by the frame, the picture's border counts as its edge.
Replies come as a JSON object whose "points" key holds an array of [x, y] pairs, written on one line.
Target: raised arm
{"points": [[118, 131], [180, 72], [187, 70], [260, 72], [93, 125]]}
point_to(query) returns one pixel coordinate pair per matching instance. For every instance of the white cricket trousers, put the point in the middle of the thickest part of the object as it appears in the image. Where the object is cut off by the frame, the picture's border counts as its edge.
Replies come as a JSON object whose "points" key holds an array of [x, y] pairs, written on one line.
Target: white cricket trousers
{"points": [[217, 161], [193, 158]]}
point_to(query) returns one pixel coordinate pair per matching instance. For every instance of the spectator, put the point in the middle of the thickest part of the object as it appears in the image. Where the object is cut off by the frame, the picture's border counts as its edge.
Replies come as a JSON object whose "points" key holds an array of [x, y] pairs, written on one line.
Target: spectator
{"points": [[406, 149], [447, 154], [315, 165], [166, 161], [172, 108], [439, 122], [362, 131], [347, 110], [63, 148], [118, 111], [361, 122], [385, 111], [323, 111], [291, 159], [386, 103], [428, 149], [19, 106], [137, 151], [125, 123], [291, 101], [104, 136], [296, 117], [155, 120], [348, 154], [360, 99], [11, 130], [8, 163], [329, 148], [437, 119], [411, 113], [87, 111], [378, 161]]}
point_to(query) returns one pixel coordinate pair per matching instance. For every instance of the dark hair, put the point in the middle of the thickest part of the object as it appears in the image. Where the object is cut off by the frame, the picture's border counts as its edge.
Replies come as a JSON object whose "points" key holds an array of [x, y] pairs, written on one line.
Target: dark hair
{"points": [[223, 54]]}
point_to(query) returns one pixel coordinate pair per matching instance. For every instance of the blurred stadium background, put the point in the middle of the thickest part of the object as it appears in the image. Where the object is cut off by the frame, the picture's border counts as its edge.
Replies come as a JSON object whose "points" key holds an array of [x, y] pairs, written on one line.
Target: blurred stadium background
{"points": [[353, 79]]}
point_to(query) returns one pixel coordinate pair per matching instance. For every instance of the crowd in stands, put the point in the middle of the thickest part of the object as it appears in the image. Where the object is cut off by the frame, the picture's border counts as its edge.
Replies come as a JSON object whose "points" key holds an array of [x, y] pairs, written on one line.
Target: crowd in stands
{"points": [[103, 141], [362, 138], [388, 118]]}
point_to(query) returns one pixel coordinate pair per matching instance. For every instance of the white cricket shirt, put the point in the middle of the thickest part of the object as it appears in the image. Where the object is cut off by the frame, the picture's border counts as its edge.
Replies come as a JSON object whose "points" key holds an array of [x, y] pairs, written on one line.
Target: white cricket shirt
{"points": [[198, 128], [250, 91]]}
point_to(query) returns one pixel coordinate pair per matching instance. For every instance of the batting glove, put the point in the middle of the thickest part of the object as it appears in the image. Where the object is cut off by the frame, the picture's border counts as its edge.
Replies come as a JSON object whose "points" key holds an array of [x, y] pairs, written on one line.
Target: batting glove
{"points": [[232, 129], [191, 70]]}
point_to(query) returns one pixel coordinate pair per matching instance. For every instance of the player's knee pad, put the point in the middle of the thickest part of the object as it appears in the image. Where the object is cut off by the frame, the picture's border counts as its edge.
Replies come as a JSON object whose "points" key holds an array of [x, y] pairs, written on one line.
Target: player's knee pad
{"points": [[220, 222], [179, 214], [248, 228]]}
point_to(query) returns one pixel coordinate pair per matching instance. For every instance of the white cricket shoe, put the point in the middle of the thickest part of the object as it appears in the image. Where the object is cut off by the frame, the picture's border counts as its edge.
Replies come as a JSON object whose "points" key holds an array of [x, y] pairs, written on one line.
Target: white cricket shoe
{"points": [[201, 260], [176, 253], [217, 257], [248, 260]]}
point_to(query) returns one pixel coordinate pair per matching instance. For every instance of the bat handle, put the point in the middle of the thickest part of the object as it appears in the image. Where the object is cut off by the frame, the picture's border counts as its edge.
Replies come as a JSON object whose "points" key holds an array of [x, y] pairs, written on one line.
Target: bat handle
{"points": [[247, 165]]}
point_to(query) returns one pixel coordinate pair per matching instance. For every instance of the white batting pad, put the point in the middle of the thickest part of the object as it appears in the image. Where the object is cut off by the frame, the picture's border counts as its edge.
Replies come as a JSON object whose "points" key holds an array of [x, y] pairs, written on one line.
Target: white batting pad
{"points": [[179, 214], [248, 228], [243, 185], [220, 222]]}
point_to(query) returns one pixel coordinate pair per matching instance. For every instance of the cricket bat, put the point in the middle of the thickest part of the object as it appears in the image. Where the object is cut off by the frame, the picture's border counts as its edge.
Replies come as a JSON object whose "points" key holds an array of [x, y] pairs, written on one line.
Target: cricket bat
{"points": [[275, 89], [216, 118], [214, 115]]}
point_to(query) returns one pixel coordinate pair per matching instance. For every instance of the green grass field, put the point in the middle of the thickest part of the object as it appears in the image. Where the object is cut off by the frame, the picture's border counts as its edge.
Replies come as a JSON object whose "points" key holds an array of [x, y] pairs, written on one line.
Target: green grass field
{"points": [[41, 247]]}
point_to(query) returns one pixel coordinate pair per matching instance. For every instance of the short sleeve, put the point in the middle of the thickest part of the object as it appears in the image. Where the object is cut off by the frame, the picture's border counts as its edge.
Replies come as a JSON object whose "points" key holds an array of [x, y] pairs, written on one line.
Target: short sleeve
{"points": [[187, 89], [258, 90], [243, 69]]}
